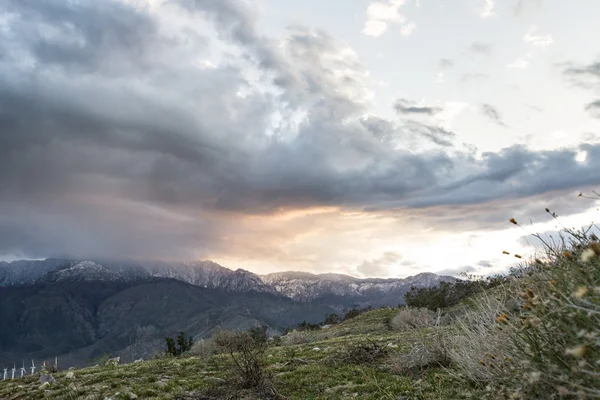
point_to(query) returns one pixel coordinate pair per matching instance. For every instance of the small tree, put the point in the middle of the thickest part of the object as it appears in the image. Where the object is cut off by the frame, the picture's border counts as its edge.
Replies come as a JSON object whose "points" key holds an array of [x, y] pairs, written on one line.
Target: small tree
{"points": [[332, 319], [353, 313], [181, 346]]}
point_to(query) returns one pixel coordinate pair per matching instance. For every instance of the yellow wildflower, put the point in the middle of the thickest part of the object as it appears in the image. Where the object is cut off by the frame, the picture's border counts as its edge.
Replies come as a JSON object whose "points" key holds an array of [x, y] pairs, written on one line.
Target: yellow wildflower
{"points": [[578, 351]]}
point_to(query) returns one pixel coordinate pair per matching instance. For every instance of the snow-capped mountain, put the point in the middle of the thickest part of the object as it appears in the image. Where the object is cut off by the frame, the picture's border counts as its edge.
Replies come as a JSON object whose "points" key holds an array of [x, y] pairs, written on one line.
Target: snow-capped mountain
{"points": [[82, 271], [302, 286], [335, 290]]}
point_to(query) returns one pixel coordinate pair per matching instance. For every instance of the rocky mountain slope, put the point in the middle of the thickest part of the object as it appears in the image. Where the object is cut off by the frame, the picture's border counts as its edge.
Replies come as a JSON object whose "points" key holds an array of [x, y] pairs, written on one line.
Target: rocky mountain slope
{"points": [[80, 320], [336, 289], [83, 309]]}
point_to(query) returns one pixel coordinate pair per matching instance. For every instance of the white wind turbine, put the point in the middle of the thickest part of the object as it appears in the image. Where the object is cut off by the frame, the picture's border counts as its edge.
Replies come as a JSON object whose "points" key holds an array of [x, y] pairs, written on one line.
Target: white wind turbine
{"points": [[13, 371], [32, 367], [23, 370], [5, 369]]}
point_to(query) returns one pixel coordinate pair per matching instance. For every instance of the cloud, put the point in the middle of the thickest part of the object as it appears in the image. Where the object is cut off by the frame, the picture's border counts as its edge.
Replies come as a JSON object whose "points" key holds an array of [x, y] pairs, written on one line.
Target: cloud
{"points": [[487, 9], [433, 133], [534, 108], [492, 114], [113, 142], [381, 14], [537, 40], [375, 28], [519, 63], [408, 29], [594, 108], [473, 77], [587, 77], [380, 267], [404, 106], [445, 63], [481, 48], [584, 74], [522, 6]]}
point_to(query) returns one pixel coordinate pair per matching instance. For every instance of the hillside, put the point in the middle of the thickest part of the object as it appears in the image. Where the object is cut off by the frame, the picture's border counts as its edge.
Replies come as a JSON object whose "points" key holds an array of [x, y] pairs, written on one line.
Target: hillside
{"points": [[301, 371], [80, 320]]}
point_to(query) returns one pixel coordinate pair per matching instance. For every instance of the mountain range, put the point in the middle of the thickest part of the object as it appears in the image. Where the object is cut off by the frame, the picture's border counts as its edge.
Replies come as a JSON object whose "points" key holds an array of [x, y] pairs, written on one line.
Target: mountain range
{"points": [[81, 310]]}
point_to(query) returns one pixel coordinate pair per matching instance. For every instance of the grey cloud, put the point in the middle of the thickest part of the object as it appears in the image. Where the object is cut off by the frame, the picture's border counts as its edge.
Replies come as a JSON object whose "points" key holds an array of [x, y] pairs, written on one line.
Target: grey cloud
{"points": [[556, 239], [481, 48], [457, 272], [473, 77], [523, 5], [583, 74], [120, 146], [588, 77], [380, 267], [445, 63], [492, 114], [534, 108], [594, 108], [434, 133], [403, 106]]}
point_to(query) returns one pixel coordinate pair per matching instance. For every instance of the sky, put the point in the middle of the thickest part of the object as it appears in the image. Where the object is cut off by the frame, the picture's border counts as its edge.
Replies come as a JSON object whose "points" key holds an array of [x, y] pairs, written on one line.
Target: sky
{"points": [[375, 139]]}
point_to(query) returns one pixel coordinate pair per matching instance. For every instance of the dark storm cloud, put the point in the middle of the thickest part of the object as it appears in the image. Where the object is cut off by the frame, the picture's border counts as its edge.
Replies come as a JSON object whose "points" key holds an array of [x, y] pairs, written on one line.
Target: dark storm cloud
{"points": [[114, 142], [492, 114], [403, 106]]}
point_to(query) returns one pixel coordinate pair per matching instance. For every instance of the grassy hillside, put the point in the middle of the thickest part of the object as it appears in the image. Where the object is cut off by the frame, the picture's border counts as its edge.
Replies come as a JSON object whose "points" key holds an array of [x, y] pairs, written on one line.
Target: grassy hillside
{"points": [[314, 369]]}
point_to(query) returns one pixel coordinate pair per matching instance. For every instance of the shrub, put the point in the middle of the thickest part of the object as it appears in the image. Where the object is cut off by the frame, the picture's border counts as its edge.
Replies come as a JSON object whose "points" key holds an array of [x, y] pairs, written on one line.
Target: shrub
{"points": [[307, 326], [297, 337], [448, 294], [355, 312], [364, 352], [422, 355], [413, 318], [176, 348], [556, 332], [246, 352], [204, 348], [332, 319], [536, 336]]}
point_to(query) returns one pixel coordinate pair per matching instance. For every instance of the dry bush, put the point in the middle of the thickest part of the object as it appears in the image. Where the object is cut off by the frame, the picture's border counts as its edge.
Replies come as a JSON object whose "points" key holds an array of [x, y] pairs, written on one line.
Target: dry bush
{"points": [[536, 336], [413, 318], [363, 353], [480, 350], [246, 352], [297, 337], [557, 331], [318, 337], [204, 348]]}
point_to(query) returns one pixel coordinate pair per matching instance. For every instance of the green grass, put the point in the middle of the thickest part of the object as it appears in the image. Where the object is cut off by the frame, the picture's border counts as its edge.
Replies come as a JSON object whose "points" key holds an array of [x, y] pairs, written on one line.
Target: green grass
{"points": [[299, 371]]}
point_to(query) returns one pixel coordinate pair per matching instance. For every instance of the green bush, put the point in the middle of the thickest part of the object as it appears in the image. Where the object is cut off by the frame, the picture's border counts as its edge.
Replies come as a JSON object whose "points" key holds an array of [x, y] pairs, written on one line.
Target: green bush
{"points": [[448, 294], [176, 348]]}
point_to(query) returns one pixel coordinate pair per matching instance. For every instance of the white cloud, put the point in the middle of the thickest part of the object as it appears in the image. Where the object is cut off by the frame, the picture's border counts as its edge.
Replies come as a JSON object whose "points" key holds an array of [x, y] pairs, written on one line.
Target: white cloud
{"points": [[381, 14], [537, 40], [488, 9], [519, 63], [375, 28], [408, 29]]}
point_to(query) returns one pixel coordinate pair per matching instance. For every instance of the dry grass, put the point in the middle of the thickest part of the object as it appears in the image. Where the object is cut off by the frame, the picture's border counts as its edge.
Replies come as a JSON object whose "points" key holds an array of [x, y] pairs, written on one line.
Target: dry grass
{"points": [[413, 318]]}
